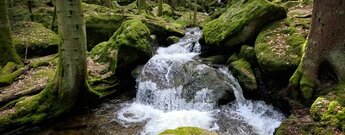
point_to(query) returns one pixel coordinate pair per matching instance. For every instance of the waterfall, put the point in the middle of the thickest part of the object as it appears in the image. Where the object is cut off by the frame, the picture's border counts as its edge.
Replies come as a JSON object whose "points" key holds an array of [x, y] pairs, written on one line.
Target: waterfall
{"points": [[174, 90]]}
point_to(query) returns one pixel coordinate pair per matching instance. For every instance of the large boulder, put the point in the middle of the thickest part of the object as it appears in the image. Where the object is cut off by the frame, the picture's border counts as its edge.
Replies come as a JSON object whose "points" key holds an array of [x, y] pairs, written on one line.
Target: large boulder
{"points": [[279, 46], [190, 78], [240, 23], [38, 40], [128, 47]]}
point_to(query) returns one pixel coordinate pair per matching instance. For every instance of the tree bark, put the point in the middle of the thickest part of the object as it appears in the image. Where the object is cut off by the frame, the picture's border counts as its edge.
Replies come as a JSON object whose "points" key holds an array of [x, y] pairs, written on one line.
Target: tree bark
{"points": [[160, 7], [195, 11], [8, 53], [326, 44], [142, 6], [108, 3], [70, 78]]}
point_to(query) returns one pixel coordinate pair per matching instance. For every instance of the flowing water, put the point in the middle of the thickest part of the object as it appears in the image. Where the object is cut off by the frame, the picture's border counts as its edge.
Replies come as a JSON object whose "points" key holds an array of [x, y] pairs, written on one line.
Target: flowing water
{"points": [[174, 89]]}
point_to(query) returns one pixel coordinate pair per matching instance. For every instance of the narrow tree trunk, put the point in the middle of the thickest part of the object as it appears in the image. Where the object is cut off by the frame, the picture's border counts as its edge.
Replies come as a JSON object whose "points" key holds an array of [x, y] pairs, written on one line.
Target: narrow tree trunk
{"points": [[7, 51], [195, 11], [70, 78], [160, 7], [142, 6], [109, 3], [326, 44], [30, 4]]}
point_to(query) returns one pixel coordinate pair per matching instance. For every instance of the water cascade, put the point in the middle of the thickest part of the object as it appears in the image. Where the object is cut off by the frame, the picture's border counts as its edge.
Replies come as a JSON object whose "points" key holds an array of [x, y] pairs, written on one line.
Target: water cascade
{"points": [[174, 89]]}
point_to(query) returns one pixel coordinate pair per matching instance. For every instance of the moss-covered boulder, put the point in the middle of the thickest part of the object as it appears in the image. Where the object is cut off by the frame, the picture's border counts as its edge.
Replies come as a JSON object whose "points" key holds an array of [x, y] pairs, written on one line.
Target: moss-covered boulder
{"points": [[240, 23], [128, 47], [279, 45], [38, 40], [187, 131], [242, 70]]}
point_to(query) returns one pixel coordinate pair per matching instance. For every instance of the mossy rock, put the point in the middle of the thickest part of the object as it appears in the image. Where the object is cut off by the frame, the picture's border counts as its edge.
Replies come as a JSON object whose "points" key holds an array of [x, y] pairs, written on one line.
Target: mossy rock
{"points": [[232, 58], [186, 19], [240, 23], [242, 70], [248, 53], [279, 45], [128, 47], [39, 40], [173, 39], [187, 131]]}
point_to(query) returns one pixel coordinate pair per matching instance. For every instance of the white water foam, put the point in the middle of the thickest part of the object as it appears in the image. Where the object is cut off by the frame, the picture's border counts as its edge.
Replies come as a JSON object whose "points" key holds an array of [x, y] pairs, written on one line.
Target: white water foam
{"points": [[162, 108]]}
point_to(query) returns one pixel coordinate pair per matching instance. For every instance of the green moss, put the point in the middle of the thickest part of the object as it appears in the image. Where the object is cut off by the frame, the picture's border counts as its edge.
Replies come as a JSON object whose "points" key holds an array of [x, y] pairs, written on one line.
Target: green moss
{"points": [[307, 87], [9, 68], [128, 47], [6, 79], [187, 131], [243, 72], [39, 40], [248, 53], [278, 47], [172, 39], [241, 21], [232, 58]]}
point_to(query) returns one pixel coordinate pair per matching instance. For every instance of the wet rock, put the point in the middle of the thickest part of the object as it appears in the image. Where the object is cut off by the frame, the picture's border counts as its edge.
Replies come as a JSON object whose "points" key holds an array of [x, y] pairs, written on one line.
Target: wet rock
{"points": [[243, 72], [240, 23], [192, 77]]}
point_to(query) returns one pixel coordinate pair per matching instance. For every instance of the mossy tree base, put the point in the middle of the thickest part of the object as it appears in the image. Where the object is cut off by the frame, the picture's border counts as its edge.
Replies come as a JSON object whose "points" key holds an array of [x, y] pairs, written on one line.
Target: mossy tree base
{"points": [[325, 46]]}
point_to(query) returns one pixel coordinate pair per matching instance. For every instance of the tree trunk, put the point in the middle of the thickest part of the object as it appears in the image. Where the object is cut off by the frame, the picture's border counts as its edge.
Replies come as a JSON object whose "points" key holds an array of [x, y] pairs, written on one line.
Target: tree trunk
{"points": [[108, 3], [160, 7], [326, 44], [195, 11], [142, 6], [8, 53], [70, 78]]}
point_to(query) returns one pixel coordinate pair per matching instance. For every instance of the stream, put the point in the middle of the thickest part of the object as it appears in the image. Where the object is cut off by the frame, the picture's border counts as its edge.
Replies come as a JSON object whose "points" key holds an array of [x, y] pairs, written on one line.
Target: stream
{"points": [[175, 89]]}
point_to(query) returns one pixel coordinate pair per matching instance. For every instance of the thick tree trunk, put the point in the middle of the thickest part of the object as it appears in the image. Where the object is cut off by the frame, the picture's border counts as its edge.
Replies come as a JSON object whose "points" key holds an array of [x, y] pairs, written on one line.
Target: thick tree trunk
{"points": [[70, 78], [160, 7], [71, 74], [326, 44], [7, 51]]}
